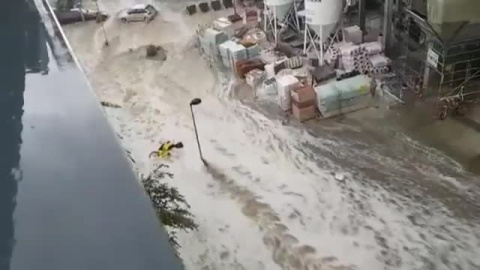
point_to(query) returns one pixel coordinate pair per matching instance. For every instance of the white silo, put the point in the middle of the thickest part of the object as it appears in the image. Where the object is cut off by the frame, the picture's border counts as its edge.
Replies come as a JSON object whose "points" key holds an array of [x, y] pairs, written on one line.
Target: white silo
{"points": [[322, 18], [276, 13]]}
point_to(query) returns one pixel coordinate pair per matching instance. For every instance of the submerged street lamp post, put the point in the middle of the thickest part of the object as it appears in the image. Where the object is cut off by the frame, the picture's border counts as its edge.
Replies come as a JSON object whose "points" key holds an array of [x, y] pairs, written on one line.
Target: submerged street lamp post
{"points": [[103, 24], [194, 102]]}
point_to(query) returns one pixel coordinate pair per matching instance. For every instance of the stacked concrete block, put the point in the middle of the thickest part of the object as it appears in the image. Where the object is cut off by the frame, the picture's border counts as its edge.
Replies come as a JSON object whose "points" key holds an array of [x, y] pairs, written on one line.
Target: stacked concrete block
{"points": [[285, 85]]}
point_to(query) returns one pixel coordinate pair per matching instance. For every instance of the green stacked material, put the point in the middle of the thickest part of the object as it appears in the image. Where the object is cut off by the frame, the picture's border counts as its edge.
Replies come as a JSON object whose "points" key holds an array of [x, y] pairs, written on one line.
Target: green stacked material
{"points": [[344, 96]]}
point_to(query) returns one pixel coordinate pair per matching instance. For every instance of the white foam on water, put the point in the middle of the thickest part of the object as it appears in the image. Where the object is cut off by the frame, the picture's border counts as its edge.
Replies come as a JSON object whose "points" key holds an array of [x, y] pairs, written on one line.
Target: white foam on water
{"points": [[271, 199]]}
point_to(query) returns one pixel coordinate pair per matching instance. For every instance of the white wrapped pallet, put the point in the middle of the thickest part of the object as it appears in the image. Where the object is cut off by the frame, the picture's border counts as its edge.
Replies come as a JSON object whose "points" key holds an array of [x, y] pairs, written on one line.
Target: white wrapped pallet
{"points": [[372, 48], [349, 49], [285, 84], [378, 61], [353, 34], [348, 63]]}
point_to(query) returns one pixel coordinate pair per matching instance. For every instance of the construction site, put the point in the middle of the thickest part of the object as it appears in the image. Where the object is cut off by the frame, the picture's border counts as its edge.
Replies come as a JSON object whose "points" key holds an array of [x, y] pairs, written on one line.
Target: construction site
{"points": [[415, 51]]}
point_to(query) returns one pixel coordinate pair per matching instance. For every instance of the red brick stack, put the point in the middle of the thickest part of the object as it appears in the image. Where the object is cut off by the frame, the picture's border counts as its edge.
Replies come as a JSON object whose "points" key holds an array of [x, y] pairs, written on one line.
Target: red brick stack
{"points": [[303, 103]]}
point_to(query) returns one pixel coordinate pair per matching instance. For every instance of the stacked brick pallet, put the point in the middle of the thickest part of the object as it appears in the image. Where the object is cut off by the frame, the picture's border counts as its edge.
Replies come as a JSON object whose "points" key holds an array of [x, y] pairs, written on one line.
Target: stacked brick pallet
{"points": [[304, 103], [366, 58]]}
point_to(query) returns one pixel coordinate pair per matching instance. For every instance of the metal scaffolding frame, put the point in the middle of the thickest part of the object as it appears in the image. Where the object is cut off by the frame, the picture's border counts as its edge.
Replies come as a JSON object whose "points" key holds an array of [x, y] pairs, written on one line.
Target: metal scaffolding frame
{"points": [[431, 64]]}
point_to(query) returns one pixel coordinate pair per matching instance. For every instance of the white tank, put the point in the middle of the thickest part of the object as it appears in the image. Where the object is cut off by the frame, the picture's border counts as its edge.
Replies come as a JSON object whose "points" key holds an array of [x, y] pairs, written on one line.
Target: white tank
{"points": [[323, 15], [279, 7], [453, 11]]}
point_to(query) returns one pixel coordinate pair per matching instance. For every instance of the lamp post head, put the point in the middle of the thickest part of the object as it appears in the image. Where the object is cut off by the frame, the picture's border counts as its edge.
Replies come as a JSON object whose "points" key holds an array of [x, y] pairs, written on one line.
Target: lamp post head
{"points": [[195, 101]]}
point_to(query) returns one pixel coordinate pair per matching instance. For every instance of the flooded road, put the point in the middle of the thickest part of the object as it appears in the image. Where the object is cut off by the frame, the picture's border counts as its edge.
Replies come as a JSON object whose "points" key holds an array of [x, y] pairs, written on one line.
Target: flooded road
{"points": [[350, 194]]}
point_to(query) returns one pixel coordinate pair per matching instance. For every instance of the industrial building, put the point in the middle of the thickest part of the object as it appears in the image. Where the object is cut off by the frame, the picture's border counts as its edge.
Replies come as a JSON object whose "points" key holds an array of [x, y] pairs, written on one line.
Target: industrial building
{"points": [[437, 49]]}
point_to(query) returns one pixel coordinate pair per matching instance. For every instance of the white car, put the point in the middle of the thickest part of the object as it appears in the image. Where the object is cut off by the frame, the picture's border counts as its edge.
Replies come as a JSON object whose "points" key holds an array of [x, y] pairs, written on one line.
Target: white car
{"points": [[141, 12], [83, 10]]}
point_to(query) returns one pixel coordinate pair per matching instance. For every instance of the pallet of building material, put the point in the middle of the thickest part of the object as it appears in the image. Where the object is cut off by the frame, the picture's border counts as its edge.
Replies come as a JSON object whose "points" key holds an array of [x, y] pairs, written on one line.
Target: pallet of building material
{"points": [[242, 67], [278, 67], [285, 49], [380, 70], [253, 51], [347, 75], [372, 48], [254, 36], [349, 49], [238, 52], [228, 3], [239, 33], [269, 87], [379, 61], [285, 84], [304, 96], [191, 9], [255, 77], [224, 25], [348, 63], [303, 114], [323, 73], [251, 13], [294, 62], [353, 34], [204, 7], [332, 55], [216, 5], [344, 96]]}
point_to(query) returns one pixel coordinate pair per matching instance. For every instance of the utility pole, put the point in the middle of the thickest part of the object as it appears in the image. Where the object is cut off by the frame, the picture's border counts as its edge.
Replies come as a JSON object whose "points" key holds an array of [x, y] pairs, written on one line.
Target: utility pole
{"points": [[103, 24], [387, 24], [362, 16]]}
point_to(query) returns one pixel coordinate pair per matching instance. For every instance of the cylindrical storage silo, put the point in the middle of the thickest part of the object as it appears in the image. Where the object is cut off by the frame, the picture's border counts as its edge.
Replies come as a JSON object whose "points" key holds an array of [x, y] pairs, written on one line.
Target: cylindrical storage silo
{"points": [[279, 8], [323, 15], [453, 11]]}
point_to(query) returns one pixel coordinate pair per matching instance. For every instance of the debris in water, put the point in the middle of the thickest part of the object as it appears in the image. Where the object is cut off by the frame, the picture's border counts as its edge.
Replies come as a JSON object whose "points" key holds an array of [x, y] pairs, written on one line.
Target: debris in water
{"points": [[110, 105], [156, 52], [339, 176]]}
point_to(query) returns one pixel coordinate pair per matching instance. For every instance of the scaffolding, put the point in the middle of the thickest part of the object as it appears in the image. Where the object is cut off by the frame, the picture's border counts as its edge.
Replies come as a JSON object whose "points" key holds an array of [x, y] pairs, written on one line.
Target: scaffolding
{"points": [[440, 61]]}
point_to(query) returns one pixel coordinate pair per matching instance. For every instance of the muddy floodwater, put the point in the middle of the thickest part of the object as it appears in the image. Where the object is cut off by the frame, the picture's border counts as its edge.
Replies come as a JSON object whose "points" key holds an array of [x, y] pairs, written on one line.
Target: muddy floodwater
{"points": [[378, 189]]}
